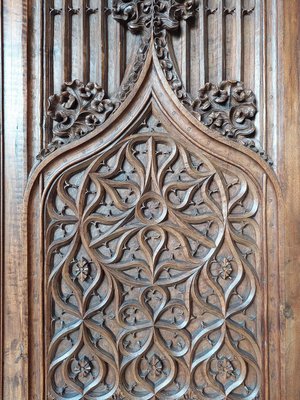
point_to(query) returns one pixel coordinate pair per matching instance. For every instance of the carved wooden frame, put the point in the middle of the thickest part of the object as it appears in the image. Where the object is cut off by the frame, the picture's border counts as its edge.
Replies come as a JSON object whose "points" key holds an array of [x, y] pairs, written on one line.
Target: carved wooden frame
{"points": [[153, 93]]}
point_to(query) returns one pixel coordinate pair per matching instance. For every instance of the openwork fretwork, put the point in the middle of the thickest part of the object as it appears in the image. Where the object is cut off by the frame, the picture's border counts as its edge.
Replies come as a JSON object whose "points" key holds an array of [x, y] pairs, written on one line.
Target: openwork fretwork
{"points": [[152, 252]]}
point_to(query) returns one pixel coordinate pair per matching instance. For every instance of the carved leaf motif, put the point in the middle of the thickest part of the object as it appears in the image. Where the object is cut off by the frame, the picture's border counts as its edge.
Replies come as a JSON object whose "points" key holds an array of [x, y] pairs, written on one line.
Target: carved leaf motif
{"points": [[152, 16], [228, 108], [77, 110]]}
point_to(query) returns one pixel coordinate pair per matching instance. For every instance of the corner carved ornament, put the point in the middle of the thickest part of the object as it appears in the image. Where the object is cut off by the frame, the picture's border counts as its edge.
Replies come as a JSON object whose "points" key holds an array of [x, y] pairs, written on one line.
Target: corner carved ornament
{"points": [[227, 108]]}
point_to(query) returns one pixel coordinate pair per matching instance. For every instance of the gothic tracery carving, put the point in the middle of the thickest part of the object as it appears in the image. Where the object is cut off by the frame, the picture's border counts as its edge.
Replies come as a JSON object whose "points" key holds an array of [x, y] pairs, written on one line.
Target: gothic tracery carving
{"points": [[152, 250]]}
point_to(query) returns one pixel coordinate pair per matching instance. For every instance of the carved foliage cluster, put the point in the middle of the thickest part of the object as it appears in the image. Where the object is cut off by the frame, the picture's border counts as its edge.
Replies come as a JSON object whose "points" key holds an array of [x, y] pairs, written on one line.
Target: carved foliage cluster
{"points": [[152, 16], [76, 111], [80, 108], [152, 252], [228, 108]]}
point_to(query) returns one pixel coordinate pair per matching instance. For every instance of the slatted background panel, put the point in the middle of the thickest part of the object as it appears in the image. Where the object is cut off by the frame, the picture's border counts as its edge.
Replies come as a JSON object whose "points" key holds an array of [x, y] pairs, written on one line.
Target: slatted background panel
{"points": [[218, 45], [83, 41]]}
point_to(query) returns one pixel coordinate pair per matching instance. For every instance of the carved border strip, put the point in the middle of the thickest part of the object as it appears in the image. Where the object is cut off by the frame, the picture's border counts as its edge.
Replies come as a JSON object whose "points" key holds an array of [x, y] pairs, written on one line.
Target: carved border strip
{"points": [[2, 183]]}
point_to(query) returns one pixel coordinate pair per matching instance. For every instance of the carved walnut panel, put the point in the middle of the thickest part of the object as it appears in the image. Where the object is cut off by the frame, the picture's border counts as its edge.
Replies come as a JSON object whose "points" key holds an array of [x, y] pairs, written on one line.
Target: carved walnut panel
{"points": [[152, 239], [153, 257]]}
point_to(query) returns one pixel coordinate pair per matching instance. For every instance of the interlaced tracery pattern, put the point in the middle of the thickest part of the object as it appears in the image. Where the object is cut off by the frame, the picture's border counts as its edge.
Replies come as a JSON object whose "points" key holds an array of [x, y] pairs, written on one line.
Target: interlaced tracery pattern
{"points": [[152, 257]]}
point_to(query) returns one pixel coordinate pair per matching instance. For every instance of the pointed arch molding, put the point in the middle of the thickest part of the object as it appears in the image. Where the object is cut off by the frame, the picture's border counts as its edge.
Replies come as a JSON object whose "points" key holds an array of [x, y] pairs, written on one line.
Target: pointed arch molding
{"points": [[227, 107], [152, 253]]}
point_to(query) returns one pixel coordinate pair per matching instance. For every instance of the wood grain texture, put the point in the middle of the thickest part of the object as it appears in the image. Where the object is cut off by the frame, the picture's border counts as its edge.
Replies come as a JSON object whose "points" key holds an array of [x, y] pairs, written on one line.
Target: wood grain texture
{"points": [[47, 44], [161, 292], [85, 259], [1, 203], [289, 171], [15, 339]]}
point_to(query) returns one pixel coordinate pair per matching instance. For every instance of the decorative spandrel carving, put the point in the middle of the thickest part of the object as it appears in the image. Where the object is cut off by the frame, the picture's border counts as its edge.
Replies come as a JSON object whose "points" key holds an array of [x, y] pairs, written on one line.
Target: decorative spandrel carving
{"points": [[152, 252], [77, 110], [227, 108]]}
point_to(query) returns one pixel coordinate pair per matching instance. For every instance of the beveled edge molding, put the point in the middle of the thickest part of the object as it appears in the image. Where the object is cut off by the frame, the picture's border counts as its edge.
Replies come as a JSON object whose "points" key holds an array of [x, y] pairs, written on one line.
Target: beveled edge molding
{"points": [[227, 108]]}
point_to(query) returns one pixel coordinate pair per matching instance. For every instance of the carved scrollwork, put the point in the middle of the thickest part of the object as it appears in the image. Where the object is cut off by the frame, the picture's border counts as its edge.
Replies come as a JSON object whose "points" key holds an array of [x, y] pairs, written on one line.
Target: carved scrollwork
{"points": [[77, 110], [227, 108], [138, 65], [152, 245], [152, 248], [256, 147], [152, 16]]}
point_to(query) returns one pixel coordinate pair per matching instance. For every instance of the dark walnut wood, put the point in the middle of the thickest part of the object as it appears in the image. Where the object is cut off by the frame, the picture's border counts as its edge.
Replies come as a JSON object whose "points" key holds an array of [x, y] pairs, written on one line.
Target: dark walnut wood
{"points": [[227, 107], [149, 158], [152, 254], [153, 245]]}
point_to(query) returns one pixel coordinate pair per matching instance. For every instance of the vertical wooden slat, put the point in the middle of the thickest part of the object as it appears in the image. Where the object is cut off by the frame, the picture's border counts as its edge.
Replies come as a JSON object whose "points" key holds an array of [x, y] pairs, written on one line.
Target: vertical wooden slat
{"points": [[221, 41], [57, 46], [213, 40], [50, 12], [120, 53], [43, 113], [66, 41], [15, 297], [103, 73], [289, 156], [116, 52], [95, 13], [35, 115], [248, 35], [75, 20], [85, 39], [35, 98], [91, 30], [186, 55], [272, 78], [239, 56], [203, 42], [259, 76]]}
